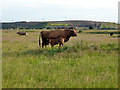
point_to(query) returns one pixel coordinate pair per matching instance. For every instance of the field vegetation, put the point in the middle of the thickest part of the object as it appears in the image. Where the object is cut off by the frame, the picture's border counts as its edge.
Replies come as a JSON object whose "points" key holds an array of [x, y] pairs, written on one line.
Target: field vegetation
{"points": [[89, 60]]}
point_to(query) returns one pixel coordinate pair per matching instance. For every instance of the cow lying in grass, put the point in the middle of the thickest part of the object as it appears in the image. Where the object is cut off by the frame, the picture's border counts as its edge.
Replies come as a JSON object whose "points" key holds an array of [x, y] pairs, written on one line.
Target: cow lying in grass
{"points": [[21, 33]]}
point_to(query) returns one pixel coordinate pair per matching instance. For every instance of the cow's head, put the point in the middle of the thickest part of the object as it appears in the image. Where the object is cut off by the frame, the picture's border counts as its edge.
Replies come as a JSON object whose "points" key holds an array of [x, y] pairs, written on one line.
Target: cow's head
{"points": [[26, 33], [17, 32], [73, 32]]}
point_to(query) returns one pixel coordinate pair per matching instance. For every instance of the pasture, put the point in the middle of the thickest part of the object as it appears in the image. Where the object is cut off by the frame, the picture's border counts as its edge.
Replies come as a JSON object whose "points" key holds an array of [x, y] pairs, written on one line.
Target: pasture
{"points": [[89, 60]]}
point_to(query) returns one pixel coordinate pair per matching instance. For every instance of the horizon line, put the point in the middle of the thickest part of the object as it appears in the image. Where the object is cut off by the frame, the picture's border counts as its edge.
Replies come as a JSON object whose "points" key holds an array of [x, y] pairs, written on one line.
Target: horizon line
{"points": [[53, 21]]}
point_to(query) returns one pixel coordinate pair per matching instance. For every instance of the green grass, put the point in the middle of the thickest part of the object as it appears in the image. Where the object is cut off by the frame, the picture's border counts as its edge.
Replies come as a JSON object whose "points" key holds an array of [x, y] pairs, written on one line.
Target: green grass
{"points": [[85, 61], [100, 31]]}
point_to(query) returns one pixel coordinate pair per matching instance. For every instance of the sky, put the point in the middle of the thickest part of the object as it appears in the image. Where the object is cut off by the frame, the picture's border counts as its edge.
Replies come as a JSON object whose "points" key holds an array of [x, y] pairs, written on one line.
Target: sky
{"points": [[57, 10]]}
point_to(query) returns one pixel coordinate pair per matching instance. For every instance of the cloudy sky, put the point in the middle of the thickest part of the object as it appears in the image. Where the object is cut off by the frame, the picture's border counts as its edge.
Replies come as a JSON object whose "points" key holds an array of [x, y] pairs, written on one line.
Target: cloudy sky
{"points": [[47, 10]]}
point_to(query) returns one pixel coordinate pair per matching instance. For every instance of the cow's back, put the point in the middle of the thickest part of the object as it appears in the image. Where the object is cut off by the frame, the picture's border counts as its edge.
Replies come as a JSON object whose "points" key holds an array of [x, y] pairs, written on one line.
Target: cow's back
{"points": [[53, 34], [22, 33]]}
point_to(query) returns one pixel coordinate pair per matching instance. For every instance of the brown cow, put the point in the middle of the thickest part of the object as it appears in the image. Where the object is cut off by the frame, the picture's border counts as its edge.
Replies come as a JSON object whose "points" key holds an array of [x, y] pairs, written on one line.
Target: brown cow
{"points": [[59, 40], [53, 34], [21, 33]]}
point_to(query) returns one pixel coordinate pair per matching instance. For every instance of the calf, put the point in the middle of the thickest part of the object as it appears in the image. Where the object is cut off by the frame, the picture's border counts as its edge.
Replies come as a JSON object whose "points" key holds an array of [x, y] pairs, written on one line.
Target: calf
{"points": [[59, 40]]}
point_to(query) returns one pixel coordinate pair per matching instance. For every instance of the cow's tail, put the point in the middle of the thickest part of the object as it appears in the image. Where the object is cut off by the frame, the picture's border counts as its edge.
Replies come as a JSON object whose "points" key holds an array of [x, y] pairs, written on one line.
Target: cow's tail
{"points": [[39, 40]]}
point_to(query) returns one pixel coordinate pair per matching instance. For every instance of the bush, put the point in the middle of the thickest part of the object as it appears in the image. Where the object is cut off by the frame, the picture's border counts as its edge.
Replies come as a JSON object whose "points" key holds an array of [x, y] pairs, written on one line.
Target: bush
{"points": [[80, 31], [91, 27], [40, 28], [58, 28], [48, 28], [71, 28]]}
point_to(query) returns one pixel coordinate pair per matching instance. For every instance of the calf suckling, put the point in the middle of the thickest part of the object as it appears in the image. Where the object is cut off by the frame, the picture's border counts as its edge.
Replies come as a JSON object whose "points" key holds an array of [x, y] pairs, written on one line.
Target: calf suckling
{"points": [[56, 36], [59, 40]]}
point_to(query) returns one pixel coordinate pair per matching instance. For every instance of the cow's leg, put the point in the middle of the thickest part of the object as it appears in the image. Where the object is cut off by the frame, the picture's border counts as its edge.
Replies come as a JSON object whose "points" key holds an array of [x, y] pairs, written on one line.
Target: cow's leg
{"points": [[43, 45], [44, 42], [61, 42], [47, 43], [52, 44]]}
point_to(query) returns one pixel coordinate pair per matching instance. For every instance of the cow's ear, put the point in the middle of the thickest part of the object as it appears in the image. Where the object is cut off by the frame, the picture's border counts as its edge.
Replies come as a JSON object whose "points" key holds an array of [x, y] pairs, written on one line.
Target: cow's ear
{"points": [[74, 29]]}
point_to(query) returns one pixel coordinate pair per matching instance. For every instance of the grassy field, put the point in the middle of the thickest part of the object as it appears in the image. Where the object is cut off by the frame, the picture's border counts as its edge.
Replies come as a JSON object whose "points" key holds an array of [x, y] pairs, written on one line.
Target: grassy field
{"points": [[89, 60]]}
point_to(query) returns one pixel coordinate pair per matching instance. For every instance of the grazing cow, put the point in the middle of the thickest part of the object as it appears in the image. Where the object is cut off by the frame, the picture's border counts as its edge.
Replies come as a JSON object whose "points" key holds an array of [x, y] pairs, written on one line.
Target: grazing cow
{"points": [[21, 33], [53, 34], [111, 33], [59, 40]]}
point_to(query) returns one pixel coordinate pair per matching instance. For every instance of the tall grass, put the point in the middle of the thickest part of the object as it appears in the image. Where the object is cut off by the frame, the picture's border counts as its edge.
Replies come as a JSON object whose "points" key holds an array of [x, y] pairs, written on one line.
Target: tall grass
{"points": [[86, 61]]}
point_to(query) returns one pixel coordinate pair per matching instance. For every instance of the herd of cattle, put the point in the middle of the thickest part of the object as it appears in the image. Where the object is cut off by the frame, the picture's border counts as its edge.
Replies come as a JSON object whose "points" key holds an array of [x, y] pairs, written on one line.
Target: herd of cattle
{"points": [[54, 37]]}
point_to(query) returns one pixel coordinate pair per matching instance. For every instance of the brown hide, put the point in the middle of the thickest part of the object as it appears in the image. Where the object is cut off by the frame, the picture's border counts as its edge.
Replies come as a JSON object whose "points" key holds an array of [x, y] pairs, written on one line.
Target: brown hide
{"points": [[21, 33], [66, 39], [59, 40], [58, 33], [53, 34]]}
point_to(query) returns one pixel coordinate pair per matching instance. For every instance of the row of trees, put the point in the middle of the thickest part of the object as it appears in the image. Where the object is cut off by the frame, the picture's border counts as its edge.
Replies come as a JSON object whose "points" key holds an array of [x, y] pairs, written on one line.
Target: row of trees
{"points": [[42, 28], [91, 27], [60, 27]]}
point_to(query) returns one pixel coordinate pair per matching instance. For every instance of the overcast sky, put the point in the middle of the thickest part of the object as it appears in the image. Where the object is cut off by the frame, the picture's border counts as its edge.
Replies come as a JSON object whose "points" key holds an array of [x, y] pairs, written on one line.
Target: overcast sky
{"points": [[47, 10]]}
